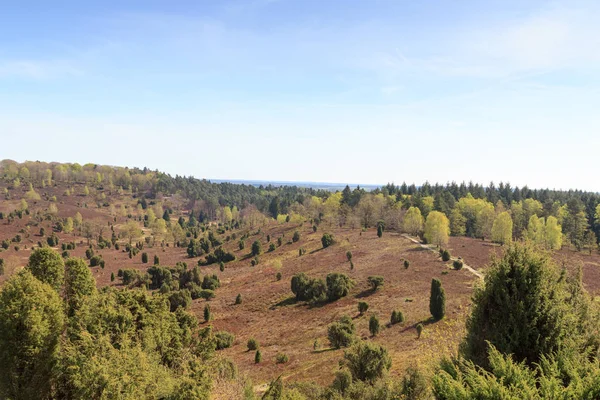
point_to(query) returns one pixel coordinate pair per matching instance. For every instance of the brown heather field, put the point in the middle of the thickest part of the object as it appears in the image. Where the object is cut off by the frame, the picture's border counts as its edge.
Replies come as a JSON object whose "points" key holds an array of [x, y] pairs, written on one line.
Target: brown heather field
{"points": [[269, 313]]}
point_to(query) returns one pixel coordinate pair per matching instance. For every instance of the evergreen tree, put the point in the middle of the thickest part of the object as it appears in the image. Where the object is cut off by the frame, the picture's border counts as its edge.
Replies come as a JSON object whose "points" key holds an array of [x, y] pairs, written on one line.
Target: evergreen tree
{"points": [[437, 300]]}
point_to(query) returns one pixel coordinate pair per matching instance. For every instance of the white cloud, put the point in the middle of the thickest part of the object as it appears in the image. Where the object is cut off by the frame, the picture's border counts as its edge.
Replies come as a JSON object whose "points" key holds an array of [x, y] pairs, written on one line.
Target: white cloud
{"points": [[39, 70]]}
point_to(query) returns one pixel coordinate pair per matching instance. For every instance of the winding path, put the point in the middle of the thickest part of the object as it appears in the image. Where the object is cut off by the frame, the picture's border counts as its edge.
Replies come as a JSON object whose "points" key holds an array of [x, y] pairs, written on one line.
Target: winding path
{"points": [[435, 250]]}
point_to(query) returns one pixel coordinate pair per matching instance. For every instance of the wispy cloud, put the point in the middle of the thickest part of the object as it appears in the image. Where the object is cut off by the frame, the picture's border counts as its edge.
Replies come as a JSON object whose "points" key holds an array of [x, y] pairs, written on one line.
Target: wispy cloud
{"points": [[38, 70]]}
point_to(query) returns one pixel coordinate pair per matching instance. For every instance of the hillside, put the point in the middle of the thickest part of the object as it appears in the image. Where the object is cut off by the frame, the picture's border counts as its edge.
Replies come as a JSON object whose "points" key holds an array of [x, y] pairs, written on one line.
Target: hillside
{"points": [[35, 214]]}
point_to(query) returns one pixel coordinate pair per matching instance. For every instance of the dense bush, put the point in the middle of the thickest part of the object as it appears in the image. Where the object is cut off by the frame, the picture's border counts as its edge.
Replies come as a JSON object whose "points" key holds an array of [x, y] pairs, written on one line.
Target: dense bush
{"points": [[224, 340], [256, 248], [363, 306], [95, 260], [252, 344], [145, 258], [397, 317], [158, 276], [219, 255], [374, 326], [457, 264], [326, 240], [341, 333], [296, 237], [211, 282], [367, 361], [281, 358], [272, 247], [445, 254], [307, 289], [406, 264], [238, 299], [338, 286], [375, 282], [180, 298]]}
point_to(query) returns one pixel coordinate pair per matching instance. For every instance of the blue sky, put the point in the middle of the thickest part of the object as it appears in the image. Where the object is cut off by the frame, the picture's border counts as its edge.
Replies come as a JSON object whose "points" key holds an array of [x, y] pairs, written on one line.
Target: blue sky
{"points": [[367, 91]]}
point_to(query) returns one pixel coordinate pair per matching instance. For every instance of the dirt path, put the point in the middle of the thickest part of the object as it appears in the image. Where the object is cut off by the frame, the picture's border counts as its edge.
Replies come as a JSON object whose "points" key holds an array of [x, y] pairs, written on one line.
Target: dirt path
{"points": [[435, 250]]}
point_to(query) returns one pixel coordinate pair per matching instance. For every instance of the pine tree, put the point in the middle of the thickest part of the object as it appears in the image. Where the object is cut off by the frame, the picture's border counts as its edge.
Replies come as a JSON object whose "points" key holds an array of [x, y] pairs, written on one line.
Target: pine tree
{"points": [[374, 326], [207, 313], [257, 357], [437, 300]]}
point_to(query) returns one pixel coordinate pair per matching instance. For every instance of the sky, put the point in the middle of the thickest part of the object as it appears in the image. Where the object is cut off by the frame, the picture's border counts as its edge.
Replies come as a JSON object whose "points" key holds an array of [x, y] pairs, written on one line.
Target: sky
{"points": [[351, 91]]}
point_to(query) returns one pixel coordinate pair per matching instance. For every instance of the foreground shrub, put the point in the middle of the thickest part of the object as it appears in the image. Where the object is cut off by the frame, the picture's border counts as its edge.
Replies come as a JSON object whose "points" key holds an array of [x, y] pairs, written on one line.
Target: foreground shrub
{"points": [[367, 361]]}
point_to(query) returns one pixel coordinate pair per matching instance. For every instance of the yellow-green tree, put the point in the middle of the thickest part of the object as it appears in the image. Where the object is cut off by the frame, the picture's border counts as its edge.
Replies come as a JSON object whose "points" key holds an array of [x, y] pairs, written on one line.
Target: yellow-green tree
{"points": [[227, 215], [437, 228], [68, 226], [536, 230], [502, 229], [131, 230], [553, 233], [78, 219], [413, 221]]}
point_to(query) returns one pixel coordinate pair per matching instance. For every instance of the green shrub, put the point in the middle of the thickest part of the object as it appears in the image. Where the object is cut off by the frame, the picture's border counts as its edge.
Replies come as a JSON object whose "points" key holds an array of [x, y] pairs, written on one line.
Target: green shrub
{"points": [[326, 240], [256, 248], [224, 340], [180, 298], [207, 313], [349, 255], [278, 276], [257, 357], [397, 317], [242, 244], [296, 237], [338, 286], [367, 361], [145, 258], [156, 260], [252, 344], [374, 326], [363, 306], [445, 255], [341, 333], [406, 264], [437, 300], [112, 276], [419, 330], [281, 358], [457, 264], [375, 282], [272, 247], [238, 299]]}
